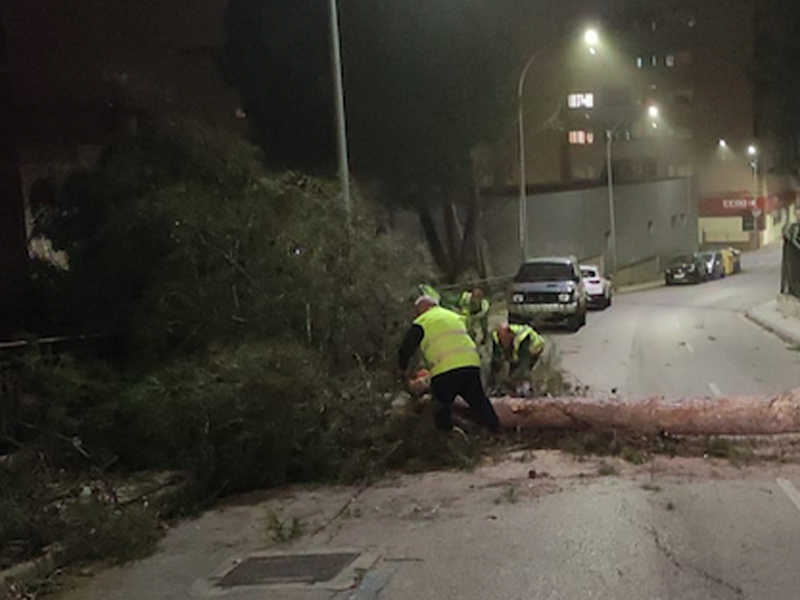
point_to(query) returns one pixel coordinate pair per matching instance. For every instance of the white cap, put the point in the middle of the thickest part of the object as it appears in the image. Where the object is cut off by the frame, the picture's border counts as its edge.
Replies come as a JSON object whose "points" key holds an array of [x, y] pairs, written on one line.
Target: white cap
{"points": [[426, 300]]}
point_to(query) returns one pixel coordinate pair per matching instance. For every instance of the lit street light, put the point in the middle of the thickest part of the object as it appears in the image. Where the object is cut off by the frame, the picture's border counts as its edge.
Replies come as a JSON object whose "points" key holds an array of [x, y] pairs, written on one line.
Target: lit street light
{"points": [[591, 38], [723, 143], [652, 111]]}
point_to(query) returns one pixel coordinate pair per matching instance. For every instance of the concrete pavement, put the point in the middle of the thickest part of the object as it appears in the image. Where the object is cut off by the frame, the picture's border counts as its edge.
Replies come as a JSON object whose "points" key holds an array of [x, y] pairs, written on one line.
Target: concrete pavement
{"points": [[770, 318], [688, 529]]}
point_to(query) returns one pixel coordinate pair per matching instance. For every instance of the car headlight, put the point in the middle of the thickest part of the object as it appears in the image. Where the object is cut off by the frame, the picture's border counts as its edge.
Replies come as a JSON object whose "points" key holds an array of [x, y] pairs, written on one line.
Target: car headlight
{"points": [[518, 298], [565, 298]]}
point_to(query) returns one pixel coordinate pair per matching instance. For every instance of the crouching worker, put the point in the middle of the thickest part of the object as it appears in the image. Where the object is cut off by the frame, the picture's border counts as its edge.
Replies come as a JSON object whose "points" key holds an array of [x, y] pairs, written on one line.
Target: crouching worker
{"points": [[517, 348], [452, 359]]}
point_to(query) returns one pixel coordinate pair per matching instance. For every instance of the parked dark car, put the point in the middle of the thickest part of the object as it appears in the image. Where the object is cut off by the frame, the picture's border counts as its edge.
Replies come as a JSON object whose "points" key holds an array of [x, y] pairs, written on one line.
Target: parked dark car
{"points": [[687, 268], [713, 263], [548, 291]]}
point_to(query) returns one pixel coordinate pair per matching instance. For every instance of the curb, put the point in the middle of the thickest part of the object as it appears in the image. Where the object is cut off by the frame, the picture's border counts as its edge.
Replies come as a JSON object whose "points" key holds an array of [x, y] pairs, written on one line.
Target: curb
{"points": [[640, 287], [770, 327]]}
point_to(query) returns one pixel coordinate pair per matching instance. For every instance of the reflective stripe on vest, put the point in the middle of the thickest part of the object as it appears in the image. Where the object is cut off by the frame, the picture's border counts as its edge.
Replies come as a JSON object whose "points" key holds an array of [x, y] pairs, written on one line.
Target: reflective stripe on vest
{"points": [[446, 345]]}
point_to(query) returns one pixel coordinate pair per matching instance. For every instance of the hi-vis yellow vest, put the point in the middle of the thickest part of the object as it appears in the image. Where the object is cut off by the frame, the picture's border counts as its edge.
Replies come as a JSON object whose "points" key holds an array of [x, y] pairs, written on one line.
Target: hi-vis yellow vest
{"points": [[446, 344], [522, 333]]}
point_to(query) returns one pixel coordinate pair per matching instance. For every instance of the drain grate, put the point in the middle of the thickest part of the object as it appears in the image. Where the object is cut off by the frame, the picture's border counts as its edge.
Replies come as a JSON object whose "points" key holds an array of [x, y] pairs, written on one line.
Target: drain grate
{"points": [[291, 568]]}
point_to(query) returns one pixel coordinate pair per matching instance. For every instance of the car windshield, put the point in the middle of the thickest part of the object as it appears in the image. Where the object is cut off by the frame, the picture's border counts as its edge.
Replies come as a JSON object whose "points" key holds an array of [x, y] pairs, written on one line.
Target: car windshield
{"points": [[588, 273], [681, 260], [532, 272], [706, 255]]}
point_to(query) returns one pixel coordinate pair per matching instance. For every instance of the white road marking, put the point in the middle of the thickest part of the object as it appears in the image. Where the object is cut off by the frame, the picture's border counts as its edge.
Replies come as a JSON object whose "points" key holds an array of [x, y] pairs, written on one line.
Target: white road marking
{"points": [[715, 389], [791, 491], [689, 348]]}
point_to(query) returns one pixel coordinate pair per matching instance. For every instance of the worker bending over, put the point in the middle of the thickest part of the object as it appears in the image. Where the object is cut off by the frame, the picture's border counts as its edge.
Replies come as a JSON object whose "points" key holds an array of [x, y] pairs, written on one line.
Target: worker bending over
{"points": [[452, 359], [517, 347]]}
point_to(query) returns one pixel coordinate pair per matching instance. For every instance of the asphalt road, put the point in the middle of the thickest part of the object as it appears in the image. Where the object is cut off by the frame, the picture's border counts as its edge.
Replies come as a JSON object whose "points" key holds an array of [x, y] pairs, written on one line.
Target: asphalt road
{"points": [[688, 340], [675, 529]]}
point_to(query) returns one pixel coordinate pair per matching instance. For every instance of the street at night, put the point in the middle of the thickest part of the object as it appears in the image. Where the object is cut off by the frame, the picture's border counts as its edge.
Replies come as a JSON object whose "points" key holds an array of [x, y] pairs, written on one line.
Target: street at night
{"points": [[399, 299], [687, 340]]}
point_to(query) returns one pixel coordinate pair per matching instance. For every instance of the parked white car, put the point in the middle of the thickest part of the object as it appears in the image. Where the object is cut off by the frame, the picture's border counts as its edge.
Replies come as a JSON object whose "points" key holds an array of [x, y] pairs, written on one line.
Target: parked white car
{"points": [[598, 288]]}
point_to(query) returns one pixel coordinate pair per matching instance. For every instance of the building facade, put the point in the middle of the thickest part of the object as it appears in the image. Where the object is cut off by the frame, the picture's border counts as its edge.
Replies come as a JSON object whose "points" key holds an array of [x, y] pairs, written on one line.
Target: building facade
{"points": [[668, 92]]}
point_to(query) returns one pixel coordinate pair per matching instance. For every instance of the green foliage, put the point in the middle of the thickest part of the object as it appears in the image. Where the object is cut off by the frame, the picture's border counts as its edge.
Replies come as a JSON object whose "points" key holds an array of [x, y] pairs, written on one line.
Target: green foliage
{"points": [[95, 530], [238, 419], [177, 239], [284, 531]]}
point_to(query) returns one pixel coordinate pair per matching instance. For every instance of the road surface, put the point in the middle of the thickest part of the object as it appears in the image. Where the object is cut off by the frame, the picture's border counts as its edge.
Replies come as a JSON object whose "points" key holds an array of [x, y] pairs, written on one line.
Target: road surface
{"points": [[689, 340], [675, 529]]}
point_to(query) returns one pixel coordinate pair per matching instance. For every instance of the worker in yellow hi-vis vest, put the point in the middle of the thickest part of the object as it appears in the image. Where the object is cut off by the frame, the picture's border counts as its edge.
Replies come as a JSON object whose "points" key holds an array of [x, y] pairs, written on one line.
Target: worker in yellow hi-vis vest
{"points": [[517, 348], [452, 359]]}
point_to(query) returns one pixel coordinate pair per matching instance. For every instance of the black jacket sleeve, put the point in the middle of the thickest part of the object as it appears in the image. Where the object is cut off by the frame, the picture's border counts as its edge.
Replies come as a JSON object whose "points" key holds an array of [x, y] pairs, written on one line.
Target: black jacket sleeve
{"points": [[410, 344]]}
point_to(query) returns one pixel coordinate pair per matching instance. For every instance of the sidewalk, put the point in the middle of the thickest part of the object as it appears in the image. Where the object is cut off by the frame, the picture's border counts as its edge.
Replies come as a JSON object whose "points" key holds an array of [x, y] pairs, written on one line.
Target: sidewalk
{"points": [[770, 318], [640, 287]]}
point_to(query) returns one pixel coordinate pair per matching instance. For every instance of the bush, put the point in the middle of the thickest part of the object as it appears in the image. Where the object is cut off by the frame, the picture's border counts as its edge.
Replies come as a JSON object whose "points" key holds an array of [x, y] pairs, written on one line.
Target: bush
{"points": [[240, 418]]}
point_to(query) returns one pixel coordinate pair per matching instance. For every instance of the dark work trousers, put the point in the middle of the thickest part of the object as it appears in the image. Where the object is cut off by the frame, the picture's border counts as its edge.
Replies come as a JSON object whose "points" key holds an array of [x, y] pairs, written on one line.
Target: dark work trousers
{"points": [[464, 382]]}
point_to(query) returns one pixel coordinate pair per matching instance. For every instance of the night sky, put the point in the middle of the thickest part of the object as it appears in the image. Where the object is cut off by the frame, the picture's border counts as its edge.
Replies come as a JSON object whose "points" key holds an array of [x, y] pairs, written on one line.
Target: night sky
{"points": [[65, 49]]}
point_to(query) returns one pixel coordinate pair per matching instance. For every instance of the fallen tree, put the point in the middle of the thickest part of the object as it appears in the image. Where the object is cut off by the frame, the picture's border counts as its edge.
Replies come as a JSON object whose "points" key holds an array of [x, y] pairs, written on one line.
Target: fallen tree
{"points": [[746, 415]]}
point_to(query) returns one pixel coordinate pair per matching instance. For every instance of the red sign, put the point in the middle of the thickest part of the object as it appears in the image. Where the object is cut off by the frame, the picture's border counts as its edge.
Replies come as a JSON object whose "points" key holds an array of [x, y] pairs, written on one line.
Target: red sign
{"points": [[735, 204]]}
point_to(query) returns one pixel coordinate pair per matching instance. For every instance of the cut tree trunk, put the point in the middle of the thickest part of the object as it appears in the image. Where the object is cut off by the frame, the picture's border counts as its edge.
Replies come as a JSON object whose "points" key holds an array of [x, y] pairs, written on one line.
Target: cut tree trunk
{"points": [[745, 415]]}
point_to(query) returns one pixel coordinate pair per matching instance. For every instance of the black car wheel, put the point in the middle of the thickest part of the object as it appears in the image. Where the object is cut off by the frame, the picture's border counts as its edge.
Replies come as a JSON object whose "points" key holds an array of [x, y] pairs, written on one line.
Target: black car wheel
{"points": [[574, 323]]}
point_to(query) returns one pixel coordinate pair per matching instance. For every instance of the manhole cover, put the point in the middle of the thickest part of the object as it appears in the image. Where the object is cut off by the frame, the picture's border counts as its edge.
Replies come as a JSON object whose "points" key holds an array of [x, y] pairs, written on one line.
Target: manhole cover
{"points": [[297, 568]]}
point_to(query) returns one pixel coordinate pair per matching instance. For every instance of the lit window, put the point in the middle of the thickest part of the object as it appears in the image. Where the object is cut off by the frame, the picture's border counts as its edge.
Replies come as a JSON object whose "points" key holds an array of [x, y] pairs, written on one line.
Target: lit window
{"points": [[639, 62], [580, 137], [583, 100], [670, 60], [654, 60]]}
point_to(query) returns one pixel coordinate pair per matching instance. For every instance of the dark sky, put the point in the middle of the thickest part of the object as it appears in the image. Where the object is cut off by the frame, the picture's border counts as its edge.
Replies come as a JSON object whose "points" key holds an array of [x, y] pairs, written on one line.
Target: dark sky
{"points": [[66, 47]]}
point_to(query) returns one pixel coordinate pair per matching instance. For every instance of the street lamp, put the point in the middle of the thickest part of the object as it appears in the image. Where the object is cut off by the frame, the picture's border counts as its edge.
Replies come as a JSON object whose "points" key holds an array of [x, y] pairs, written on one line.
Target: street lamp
{"points": [[591, 38], [611, 133], [341, 126]]}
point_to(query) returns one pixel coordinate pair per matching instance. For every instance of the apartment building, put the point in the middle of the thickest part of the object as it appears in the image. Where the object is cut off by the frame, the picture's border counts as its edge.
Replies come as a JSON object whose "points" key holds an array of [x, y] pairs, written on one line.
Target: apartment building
{"points": [[668, 91]]}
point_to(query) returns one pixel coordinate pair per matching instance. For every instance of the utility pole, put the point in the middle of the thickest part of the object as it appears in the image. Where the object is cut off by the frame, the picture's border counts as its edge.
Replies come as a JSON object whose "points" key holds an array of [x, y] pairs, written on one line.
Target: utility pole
{"points": [[611, 210], [341, 124]]}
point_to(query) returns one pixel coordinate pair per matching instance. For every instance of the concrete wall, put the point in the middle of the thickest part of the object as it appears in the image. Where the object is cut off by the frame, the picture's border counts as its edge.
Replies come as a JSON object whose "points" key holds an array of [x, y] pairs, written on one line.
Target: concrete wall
{"points": [[657, 219]]}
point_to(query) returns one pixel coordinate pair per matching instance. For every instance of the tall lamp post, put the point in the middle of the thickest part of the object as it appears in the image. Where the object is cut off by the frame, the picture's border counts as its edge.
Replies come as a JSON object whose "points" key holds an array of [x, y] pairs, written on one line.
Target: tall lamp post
{"points": [[592, 39], [341, 126], [752, 152], [611, 133]]}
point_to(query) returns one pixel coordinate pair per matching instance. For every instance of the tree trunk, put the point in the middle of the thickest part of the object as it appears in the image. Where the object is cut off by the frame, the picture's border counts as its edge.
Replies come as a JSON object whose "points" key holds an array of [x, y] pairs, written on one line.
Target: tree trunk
{"points": [[469, 251], [432, 237], [453, 236], [745, 415]]}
